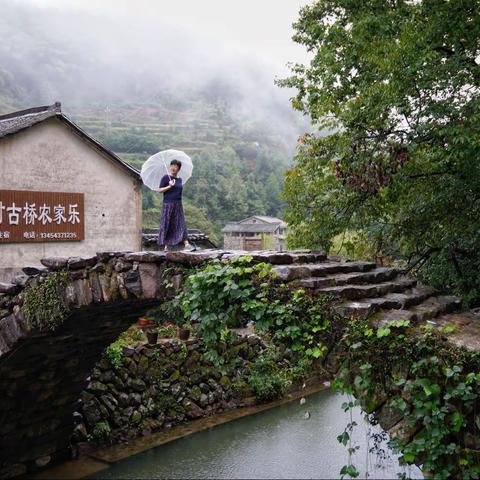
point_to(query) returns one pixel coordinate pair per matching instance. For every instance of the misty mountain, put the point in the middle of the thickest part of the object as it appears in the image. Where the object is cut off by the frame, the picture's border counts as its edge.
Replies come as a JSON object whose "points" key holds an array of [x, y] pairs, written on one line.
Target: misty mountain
{"points": [[84, 59]]}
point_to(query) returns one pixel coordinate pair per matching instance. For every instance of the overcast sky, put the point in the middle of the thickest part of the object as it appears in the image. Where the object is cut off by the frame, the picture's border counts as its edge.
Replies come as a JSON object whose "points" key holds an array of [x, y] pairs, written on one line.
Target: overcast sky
{"points": [[260, 28]]}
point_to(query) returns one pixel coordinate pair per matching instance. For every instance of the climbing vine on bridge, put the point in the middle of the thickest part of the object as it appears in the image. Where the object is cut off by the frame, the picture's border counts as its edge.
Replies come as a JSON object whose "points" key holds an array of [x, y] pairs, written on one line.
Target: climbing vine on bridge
{"points": [[223, 295], [43, 304], [434, 386]]}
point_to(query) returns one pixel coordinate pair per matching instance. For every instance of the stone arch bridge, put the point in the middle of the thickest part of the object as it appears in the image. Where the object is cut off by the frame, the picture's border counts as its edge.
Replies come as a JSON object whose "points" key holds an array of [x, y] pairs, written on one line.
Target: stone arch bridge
{"points": [[42, 373]]}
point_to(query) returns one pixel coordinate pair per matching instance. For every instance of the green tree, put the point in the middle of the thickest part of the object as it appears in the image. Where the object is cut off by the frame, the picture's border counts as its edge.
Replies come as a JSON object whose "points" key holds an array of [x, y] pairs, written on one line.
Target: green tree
{"points": [[147, 198], [395, 84], [196, 218]]}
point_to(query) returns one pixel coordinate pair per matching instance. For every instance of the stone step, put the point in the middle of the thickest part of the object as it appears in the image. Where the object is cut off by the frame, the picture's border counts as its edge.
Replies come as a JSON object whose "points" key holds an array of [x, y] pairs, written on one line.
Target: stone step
{"points": [[435, 306], [378, 275], [466, 333], [390, 301], [432, 307], [288, 273], [356, 292], [278, 258]]}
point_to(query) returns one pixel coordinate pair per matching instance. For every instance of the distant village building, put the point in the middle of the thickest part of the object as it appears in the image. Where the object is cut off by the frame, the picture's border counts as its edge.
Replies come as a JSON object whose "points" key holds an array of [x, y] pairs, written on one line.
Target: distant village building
{"points": [[255, 233], [61, 192]]}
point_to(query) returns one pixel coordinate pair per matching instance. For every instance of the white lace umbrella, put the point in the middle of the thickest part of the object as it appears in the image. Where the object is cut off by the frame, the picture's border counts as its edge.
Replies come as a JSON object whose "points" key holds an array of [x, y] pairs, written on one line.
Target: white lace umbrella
{"points": [[157, 166]]}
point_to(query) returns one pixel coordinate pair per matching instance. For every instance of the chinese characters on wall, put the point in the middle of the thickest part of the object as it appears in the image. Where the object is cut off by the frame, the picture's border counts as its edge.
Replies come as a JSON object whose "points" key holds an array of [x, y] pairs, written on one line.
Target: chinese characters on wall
{"points": [[41, 216]]}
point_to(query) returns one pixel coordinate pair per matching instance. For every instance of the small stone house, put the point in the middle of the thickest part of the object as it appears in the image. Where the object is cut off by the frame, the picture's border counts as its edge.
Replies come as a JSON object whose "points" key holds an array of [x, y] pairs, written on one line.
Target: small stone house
{"points": [[62, 193], [258, 232]]}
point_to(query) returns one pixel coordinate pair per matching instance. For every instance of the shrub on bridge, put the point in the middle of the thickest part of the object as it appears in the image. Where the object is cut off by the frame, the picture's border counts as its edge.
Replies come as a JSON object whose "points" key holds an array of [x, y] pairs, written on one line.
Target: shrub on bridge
{"points": [[297, 318], [169, 311], [222, 295], [231, 294], [114, 352], [268, 378]]}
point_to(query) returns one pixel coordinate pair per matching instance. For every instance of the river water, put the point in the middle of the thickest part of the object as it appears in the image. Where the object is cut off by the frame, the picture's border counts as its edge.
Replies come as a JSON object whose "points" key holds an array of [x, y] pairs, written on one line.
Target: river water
{"points": [[278, 443]]}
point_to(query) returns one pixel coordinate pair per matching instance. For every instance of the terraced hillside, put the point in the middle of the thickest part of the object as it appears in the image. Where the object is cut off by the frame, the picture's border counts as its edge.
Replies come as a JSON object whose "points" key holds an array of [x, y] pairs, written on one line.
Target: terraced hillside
{"points": [[228, 150], [134, 130]]}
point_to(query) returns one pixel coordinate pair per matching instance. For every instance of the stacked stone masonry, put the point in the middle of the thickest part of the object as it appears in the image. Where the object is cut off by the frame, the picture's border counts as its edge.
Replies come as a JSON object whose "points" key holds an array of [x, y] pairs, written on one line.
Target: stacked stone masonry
{"points": [[159, 386]]}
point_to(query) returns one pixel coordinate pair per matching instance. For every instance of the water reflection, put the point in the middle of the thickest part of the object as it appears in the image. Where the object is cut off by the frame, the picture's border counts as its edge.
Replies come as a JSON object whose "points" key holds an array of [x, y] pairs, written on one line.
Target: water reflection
{"points": [[279, 443]]}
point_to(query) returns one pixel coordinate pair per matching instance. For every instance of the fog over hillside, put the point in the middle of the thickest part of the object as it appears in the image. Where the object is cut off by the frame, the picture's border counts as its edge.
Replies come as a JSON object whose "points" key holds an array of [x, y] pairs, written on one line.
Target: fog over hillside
{"points": [[82, 57]]}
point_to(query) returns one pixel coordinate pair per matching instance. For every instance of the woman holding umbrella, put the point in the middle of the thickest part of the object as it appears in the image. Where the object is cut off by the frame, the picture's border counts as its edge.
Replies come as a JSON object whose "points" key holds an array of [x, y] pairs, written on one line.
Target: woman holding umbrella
{"points": [[173, 229], [169, 181]]}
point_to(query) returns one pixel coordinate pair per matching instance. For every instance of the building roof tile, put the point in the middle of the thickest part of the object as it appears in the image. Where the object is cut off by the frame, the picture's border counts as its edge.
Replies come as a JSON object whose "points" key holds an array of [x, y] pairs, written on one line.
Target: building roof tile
{"points": [[251, 227]]}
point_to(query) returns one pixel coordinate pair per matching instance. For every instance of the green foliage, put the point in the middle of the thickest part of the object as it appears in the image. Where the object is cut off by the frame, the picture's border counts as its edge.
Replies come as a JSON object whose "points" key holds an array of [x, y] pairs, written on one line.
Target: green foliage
{"points": [[345, 438], [435, 386], [241, 388], [43, 305], [101, 431], [165, 402], [267, 378], [355, 245], [349, 470], [297, 318], [183, 353], [443, 400], [300, 368], [166, 331], [168, 311], [114, 352], [394, 86], [222, 295], [275, 370]]}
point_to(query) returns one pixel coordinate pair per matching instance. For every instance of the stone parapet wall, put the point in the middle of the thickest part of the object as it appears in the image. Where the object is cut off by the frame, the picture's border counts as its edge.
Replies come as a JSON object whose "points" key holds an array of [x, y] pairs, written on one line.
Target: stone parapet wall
{"points": [[110, 277]]}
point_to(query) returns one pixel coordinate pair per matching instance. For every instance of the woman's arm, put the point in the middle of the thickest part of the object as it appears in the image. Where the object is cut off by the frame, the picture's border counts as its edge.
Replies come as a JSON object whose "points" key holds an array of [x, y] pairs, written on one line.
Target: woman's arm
{"points": [[171, 183]]}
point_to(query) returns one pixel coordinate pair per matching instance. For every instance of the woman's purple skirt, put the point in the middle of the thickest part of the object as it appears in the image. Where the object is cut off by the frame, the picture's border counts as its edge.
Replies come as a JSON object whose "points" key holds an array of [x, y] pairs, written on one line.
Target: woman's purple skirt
{"points": [[173, 228]]}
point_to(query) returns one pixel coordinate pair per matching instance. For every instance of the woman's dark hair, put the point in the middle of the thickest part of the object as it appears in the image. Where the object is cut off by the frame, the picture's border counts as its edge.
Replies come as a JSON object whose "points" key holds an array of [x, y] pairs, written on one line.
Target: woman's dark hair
{"points": [[176, 162]]}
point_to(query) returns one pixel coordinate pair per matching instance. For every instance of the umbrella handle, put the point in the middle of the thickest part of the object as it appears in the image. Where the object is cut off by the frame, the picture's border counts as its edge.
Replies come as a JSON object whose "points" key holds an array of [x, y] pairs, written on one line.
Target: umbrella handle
{"points": [[165, 165]]}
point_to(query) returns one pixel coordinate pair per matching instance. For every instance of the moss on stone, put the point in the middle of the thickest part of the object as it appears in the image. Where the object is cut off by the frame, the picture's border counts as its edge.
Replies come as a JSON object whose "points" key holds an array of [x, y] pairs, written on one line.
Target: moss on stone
{"points": [[225, 381], [136, 417], [44, 305]]}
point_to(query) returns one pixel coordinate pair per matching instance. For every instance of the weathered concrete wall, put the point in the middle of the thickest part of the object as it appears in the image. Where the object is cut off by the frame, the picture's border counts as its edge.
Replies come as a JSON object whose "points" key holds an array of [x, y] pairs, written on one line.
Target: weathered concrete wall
{"points": [[262, 241], [231, 242], [50, 157]]}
